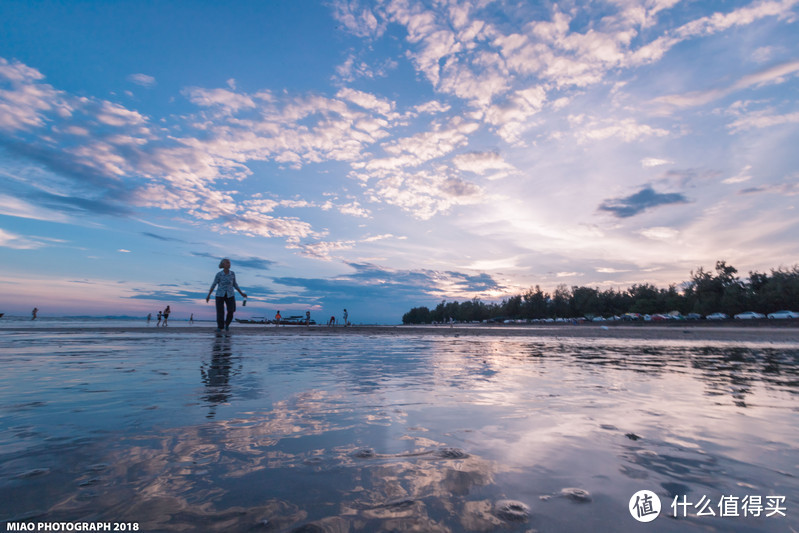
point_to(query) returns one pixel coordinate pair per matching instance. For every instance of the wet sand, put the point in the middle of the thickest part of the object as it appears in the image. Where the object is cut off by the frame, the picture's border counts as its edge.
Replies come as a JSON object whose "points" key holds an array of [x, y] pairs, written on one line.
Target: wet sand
{"points": [[729, 332]]}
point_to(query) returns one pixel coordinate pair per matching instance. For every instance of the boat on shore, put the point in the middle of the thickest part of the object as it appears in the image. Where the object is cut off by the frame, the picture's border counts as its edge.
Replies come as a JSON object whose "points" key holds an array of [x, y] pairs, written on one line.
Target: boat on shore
{"points": [[298, 320]]}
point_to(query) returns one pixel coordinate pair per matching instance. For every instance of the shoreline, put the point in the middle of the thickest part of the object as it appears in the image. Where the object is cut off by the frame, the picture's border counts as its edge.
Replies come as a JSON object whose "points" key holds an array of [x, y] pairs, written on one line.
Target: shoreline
{"points": [[720, 332]]}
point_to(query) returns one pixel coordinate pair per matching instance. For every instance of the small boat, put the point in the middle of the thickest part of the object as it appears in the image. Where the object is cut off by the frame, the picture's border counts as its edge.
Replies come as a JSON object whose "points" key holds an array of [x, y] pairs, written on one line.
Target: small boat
{"points": [[288, 321], [252, 320]]}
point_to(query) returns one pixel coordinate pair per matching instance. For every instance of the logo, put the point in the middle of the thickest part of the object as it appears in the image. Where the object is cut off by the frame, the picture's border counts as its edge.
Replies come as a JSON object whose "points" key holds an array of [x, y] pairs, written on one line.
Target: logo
{"points": [[645, 506]]}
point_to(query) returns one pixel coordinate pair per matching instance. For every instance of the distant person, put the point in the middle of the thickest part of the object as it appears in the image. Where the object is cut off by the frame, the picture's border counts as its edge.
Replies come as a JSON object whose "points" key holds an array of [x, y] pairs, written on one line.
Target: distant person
{"points": [[149, 317], [277, 319], [160, 314], [346, 322], [166, 315], [225, 283], [191, 319], [331, 321], [34, 313], [307, 319]]}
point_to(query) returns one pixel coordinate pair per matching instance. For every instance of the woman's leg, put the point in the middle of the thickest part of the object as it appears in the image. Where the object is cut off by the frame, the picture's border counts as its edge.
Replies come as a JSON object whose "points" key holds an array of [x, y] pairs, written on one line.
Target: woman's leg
{"points": [[231, 308], [220, 313]]}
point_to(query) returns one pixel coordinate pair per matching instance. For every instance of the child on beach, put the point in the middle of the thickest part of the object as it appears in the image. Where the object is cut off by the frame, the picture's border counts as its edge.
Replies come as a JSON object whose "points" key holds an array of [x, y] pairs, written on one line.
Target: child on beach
{"points": [[225, 282], [277, 319], [159, 319]]}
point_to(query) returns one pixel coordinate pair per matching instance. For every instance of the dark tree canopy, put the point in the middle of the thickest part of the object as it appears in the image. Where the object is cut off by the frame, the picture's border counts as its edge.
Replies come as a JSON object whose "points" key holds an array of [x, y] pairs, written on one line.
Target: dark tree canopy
{"points": [[705, 292]]}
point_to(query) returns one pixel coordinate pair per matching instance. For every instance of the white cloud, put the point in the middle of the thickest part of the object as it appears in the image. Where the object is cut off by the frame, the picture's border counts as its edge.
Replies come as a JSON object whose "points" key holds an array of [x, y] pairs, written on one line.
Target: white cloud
{"points": [[323, 250], [610, 270], [367, 101], [354, 209], [142, 79], [481, 162], [16, 207], [660, 233], [741, 177], [223, 98], [425, 194], [357, 19], [627, 130], [649, 162], [770, 76], [763, 119], [18, 242], [26, 104]]}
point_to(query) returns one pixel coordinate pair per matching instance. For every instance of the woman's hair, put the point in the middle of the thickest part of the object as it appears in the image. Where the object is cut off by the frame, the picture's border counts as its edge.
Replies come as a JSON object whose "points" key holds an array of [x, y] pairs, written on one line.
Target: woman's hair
{"points": [[222, 262]]}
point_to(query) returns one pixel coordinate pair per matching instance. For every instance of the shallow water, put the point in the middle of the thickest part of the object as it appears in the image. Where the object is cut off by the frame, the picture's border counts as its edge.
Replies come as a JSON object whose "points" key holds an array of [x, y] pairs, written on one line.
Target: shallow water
{"points": [[191, 432]]}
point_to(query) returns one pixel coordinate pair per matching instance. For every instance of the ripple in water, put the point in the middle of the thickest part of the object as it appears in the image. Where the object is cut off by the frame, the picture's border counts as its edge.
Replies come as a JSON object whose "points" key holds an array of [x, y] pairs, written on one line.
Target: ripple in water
{"points": [[512, 511]]}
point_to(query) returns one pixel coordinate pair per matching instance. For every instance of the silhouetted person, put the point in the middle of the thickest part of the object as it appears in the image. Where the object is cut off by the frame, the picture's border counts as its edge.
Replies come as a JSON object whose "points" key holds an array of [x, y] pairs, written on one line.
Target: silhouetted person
{"points": [[34, 313], [225, 283], [166, 315], [159, 319], [346, 322]]}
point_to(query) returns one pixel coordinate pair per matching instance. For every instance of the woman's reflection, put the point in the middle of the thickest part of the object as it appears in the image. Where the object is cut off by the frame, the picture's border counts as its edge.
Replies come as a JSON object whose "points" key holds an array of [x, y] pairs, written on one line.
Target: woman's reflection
{"points": [[216, 375]]}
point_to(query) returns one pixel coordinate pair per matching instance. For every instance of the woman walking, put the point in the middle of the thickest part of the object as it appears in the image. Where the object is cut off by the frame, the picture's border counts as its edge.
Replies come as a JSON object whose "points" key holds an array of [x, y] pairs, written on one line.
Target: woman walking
{"points": [[224, 282]]}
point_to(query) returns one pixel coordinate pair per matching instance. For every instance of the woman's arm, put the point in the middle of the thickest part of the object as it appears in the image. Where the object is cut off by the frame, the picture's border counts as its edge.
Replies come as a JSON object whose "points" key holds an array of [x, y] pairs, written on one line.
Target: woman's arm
{"points": [[213, 285], [236, 286]]}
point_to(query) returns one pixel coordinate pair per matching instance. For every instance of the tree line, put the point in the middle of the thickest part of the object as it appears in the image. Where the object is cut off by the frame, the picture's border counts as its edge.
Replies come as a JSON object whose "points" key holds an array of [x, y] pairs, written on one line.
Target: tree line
{"points": [[721, 290]]}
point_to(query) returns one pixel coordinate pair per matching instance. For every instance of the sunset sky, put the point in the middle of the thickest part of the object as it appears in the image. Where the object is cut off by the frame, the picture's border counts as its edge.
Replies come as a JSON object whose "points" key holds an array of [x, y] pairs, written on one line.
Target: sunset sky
{"points": [[383, 155]]}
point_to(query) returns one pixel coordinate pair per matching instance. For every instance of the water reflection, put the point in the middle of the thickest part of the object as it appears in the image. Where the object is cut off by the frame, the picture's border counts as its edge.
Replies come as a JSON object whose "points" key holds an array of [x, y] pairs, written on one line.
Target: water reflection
{"points": [[397, 434], [216, 374]]}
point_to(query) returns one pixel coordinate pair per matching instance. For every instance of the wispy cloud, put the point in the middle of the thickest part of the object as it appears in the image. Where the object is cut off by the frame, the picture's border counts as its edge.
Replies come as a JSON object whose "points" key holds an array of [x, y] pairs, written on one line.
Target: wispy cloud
{"points": [[142, 79], [19, 242], [255, 263]]}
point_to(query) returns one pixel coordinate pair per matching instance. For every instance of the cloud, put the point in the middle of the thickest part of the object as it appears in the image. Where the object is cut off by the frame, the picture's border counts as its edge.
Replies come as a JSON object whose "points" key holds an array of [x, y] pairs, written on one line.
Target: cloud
{"points": [[424, 194], [639, 202], [142, 79], [221, 98], [762, 119], [373, 282], [367, 101], [17, 207], [323, 250], [482, 162], [25, 101], [255, 263], [649, 162], [161, 237], [660, 233], [610, 270], [357, 19], [782, 189], [770, 76], [18, 242], [628, 130]]}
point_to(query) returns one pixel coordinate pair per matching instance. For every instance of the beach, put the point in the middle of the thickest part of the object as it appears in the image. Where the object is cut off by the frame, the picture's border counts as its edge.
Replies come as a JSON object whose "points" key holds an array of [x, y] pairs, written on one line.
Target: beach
{"points": [[732, 332], [399, 428]]}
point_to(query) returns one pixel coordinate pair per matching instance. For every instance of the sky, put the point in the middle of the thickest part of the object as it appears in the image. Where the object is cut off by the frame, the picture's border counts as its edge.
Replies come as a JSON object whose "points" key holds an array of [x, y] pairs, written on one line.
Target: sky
{"points": [[383, 155]]}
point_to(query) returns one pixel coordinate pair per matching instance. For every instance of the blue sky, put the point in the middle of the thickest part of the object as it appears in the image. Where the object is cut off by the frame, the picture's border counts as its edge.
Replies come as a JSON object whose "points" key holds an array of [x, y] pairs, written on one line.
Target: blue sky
{"points": [[383, 155]]}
